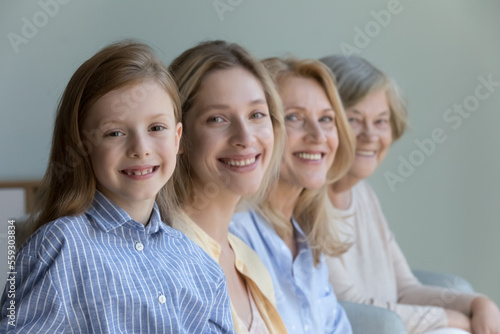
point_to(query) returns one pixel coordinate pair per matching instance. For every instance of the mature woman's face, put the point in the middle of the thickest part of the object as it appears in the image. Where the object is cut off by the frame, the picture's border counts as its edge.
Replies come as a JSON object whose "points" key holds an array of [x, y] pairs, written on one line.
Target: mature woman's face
{"points": [[311, 131], [230, 133], [370, 120]]}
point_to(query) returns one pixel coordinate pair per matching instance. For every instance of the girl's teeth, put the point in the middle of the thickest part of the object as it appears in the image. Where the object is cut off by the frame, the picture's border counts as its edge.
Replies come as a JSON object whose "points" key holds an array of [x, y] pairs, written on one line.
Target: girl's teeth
{"points": [[139, 173], [240, 163], [309, 156]]}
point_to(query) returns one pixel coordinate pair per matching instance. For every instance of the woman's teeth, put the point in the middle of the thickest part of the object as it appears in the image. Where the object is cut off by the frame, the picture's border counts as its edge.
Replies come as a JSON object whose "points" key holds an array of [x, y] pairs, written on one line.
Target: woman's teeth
{"points": [[365, 153], [309, 156], [239, 163]]}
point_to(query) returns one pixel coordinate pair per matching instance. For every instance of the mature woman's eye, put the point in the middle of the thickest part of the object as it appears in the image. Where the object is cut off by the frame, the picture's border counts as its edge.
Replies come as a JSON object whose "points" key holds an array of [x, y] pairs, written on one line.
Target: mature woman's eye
{"points": [[291, 118], [326, 119]]}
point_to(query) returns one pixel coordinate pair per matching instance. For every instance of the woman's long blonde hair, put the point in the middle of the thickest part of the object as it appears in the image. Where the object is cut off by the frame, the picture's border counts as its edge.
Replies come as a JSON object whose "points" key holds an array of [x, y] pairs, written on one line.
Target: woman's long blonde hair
{"points": [[69, 184], [188, 70], [312, 212]]}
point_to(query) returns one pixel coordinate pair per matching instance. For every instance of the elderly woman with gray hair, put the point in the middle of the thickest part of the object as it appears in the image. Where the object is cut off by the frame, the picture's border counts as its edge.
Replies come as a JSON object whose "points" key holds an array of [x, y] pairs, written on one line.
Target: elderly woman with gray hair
{"points": [[374, 271]]}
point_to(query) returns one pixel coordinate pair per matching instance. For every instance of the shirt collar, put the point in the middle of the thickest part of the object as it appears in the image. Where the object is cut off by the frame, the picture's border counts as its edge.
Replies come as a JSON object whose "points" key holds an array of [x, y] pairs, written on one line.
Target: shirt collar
{"points": [[110, 216], [187, 226]]}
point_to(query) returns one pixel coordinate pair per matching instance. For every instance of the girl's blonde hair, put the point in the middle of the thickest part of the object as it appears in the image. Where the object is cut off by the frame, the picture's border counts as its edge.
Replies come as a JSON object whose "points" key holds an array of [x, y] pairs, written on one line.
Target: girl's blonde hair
{"points": [[69, 184], [357, 78], [189, 70], [312, 211]]}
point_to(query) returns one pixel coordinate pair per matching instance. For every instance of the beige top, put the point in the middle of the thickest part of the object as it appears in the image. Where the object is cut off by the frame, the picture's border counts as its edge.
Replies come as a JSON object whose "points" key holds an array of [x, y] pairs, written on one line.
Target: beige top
{"points": [[374, 271], [258, 326], [250, 267]]}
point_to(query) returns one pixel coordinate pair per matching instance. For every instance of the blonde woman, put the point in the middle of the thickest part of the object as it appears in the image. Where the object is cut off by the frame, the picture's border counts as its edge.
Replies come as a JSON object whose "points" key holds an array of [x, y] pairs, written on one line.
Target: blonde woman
{"points": [[374, 271], [233, 138], [291, 231]]}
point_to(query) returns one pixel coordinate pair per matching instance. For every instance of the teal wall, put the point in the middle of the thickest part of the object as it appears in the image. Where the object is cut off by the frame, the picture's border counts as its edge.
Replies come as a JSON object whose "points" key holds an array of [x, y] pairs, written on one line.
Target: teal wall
{"points": [[443, 205]]}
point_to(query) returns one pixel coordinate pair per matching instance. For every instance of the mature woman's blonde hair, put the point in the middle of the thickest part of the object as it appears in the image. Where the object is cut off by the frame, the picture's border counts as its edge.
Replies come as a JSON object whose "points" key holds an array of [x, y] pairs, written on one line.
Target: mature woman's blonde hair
{"points": [[312, 211], [189, 70], [357, 78], [69, 184]]}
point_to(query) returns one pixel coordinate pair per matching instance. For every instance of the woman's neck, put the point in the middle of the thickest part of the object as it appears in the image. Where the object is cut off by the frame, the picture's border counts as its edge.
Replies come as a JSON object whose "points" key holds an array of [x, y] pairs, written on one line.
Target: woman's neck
{"points": [[340, 192], [213, 215], [285, 198]]}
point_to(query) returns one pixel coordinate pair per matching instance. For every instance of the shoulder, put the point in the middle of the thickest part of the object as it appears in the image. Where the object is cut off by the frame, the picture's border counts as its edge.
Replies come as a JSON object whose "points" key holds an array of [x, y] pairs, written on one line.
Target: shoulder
{"points": [[248, 226], [54, 236]]}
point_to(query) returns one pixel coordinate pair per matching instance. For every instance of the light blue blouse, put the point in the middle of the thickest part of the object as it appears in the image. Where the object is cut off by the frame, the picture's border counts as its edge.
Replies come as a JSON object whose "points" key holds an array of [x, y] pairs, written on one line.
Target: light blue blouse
{"points": [[305, 298]]}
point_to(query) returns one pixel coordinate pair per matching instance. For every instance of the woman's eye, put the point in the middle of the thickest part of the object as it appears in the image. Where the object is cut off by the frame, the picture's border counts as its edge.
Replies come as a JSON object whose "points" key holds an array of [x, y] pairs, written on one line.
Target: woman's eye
{"points": [[158, 128], [291, 118], [326, 119], [215, 119], [382, 121], [258, 114]]}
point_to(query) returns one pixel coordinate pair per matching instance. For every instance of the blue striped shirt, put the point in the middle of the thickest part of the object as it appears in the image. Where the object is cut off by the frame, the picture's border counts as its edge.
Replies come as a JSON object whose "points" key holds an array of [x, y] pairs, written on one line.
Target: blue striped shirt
{"points": [[102, 272], [305, 299]]}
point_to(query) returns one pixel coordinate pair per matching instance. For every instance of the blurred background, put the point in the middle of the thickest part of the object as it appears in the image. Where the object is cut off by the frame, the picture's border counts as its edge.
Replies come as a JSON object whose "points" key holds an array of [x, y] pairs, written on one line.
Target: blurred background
{"points": [[440, 192]]}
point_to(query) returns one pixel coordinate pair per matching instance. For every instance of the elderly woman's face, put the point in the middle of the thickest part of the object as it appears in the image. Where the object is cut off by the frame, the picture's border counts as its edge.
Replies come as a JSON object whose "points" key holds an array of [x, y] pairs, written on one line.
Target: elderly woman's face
{"points": [[370, 120]]}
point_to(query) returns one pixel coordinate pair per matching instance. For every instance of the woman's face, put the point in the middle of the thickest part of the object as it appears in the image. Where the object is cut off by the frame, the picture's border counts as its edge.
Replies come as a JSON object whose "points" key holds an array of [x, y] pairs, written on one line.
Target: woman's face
{"points": [[229, 133], [311, 130], [370, 120]]}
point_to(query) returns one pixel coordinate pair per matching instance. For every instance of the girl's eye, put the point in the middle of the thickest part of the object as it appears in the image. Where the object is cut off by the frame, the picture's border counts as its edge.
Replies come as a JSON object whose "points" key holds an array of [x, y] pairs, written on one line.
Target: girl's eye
{"points": [[158, 128], [351, 120], [215, 119], [114, 134], [291, 118]]}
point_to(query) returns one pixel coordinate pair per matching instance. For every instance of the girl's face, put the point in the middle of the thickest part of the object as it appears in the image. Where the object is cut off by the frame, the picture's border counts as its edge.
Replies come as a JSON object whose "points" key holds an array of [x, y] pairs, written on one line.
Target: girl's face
{"points": [[229, 133], [370, 120], [311, 130], [136, 139]]}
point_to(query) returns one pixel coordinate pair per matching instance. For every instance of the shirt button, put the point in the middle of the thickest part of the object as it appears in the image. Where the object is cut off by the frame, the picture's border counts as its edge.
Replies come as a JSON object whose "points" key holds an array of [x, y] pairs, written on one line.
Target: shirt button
{"points": [[162, 299], [139, 246]]}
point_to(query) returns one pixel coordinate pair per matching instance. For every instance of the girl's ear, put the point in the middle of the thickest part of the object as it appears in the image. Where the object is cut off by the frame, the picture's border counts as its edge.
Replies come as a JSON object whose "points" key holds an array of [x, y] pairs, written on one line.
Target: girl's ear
{"points": [[178, 136]]}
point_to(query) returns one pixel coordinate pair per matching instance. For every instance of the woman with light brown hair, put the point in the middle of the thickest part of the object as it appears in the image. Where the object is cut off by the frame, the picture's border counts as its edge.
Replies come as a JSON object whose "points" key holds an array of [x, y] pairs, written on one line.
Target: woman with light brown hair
{"points": [[374, 271], [233, 138], [292, 230]]}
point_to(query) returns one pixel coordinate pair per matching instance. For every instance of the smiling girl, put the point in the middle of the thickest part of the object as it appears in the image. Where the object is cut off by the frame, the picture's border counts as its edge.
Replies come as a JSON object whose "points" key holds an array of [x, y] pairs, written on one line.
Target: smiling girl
{"points": [[102, 259]]}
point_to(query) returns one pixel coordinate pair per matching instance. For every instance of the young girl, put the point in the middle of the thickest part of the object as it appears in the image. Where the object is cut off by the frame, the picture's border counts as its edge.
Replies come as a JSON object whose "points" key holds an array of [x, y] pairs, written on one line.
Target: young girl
{"points": [[292, 230], [101, 260], [233, 141]]}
